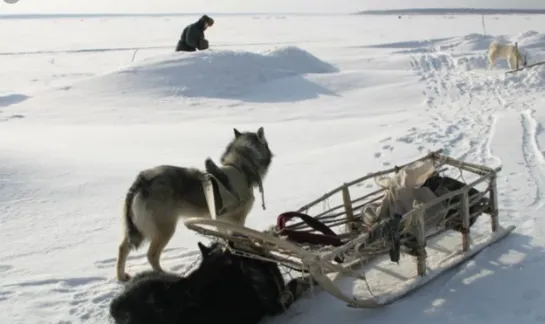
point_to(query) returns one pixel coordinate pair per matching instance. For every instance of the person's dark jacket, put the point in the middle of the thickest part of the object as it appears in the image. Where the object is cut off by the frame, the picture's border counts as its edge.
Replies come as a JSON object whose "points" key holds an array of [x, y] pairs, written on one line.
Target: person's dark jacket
{"points": [[192, 37]]}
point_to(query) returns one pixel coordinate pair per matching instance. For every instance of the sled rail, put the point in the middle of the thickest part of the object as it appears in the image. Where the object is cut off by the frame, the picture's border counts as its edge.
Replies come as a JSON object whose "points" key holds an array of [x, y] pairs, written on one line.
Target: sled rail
{"points": [[478, 169], [361, 179]]}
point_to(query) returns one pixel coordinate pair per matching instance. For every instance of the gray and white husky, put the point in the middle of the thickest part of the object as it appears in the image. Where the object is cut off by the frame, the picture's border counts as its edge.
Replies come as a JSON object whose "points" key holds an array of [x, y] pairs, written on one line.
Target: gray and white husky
{"points": [[161, 195]]}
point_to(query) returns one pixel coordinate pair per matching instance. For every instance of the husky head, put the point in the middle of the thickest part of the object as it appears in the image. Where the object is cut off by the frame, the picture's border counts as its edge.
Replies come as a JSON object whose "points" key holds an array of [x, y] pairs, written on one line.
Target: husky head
{"points": [[216, 259], [210, 253], [524, 60], [264, 277], [216, 264], [249, 150]]}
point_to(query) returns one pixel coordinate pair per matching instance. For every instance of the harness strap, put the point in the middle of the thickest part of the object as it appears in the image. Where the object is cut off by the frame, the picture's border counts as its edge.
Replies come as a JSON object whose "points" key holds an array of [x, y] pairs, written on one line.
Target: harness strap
{"points": [[262, 191], [328, 237], [252, 169]]}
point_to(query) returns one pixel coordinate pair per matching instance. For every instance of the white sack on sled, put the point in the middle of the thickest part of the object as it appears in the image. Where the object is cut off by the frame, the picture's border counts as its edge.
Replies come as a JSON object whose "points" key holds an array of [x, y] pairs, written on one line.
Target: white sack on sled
{"points": [[403, 193]]}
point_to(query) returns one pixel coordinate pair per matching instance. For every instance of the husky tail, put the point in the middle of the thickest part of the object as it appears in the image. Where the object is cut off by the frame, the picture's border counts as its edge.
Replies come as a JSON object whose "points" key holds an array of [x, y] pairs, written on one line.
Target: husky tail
{"points": [[134, 236]]}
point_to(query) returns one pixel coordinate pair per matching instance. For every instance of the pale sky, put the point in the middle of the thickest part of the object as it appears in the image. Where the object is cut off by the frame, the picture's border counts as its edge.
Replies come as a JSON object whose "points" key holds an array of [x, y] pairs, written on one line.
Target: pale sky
{"points": [[203, 6]]}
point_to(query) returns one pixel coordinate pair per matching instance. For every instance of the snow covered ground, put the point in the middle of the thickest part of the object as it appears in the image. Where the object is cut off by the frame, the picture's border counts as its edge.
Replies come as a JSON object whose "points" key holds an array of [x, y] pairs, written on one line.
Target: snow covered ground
{"points": [[339, 96]]}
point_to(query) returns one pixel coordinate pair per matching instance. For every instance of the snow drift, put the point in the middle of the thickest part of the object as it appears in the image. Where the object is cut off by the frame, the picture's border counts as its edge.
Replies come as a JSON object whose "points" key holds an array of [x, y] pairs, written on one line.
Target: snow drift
{"points": [[468, 52], [179, 82], [211, 74]]}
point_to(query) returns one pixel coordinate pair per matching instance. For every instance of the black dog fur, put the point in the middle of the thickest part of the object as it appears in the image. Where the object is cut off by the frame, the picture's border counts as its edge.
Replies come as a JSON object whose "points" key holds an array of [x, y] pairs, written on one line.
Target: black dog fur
{"points": [[225, 288]]}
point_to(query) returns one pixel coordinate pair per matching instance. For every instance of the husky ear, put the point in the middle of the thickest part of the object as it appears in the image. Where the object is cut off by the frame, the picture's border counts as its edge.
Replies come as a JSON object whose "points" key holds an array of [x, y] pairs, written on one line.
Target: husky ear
{"points": [[204, 250], [237, 133], [261, 134]]}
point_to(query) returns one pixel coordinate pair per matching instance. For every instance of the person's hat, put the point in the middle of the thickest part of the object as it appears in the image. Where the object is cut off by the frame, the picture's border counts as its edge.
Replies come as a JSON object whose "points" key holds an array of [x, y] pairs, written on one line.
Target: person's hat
{"points": [[209, 21]]}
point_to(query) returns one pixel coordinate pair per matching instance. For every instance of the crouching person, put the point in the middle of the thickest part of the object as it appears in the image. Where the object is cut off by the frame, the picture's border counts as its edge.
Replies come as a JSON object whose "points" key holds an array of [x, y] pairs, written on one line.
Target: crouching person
{"points": [[192, 37]]}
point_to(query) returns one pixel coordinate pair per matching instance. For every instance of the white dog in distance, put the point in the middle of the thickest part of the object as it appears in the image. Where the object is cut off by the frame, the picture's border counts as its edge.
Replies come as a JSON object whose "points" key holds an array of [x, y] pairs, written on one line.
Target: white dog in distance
{"points": [[508, 52]]}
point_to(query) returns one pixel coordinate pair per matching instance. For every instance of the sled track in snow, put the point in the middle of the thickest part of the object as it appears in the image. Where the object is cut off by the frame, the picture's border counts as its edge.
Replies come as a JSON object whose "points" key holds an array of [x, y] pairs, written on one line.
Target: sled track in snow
{"points": [[533, 156], [464, 101], [460, 104]]}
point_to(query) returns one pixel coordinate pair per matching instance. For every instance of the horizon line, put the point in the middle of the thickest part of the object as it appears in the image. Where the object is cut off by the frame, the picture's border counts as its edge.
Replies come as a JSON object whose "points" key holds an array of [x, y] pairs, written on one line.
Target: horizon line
{"points": [[139, 14]]}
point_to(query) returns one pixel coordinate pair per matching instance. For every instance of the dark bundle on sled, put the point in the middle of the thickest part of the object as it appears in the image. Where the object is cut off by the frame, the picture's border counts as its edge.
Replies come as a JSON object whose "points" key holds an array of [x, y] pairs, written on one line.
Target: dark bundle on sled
{"points": [[225, 288], [441, 185], [391, 228]]}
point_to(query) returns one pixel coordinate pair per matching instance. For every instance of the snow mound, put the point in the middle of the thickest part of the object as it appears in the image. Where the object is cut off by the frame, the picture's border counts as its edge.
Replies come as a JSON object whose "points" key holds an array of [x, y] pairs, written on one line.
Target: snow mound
{"points": [[212, 74], [479, 42], [528, 33], [465, 43], [529, 40], [466, 52]]}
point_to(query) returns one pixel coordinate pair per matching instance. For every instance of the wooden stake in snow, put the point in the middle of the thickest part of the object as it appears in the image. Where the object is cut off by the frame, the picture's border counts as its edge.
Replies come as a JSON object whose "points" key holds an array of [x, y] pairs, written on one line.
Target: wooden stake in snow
{"points": [[516, 51]]}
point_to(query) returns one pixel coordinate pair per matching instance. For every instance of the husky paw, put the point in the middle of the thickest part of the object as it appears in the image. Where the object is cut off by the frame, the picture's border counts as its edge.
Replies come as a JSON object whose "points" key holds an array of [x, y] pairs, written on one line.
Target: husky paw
{"points": [[124, 278]]}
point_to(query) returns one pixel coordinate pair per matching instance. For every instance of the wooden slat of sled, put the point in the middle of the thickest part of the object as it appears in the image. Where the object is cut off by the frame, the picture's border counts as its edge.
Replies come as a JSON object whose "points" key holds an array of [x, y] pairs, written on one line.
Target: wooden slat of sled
{"points": [[390, 282]]}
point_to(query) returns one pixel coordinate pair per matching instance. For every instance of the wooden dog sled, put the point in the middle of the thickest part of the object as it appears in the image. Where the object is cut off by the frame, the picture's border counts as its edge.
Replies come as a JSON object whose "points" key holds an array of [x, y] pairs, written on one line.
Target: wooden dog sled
{"points": [[364, 250]]}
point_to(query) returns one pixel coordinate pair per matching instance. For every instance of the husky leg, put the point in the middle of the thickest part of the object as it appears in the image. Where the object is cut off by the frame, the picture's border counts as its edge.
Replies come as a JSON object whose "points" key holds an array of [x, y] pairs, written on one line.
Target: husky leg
{"points": [[511, 62], [122, 255], [158, 243]]}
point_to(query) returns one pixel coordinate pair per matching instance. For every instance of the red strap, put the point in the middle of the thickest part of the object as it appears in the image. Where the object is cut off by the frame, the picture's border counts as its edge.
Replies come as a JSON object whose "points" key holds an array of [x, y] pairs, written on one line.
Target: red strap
{"points": [[328, 237]]}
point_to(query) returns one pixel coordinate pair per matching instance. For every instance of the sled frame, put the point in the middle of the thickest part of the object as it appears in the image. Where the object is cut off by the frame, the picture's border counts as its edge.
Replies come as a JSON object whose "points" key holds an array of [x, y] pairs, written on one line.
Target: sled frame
{"points": [[319, 263]]}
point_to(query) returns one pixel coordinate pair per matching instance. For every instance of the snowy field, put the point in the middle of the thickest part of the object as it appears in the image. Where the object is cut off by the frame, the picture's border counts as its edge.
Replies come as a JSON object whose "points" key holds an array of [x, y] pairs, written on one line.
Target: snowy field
{"points": [[86, 103]]}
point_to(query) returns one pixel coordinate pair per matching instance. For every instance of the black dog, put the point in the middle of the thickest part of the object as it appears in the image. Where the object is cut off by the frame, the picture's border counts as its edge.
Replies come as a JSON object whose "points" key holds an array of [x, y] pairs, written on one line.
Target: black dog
{"points": [[225, 288]]}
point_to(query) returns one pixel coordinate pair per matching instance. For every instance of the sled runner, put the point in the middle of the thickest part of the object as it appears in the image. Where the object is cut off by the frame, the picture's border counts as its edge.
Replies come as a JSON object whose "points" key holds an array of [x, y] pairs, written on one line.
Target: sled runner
{"points": [[372, 250]]}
